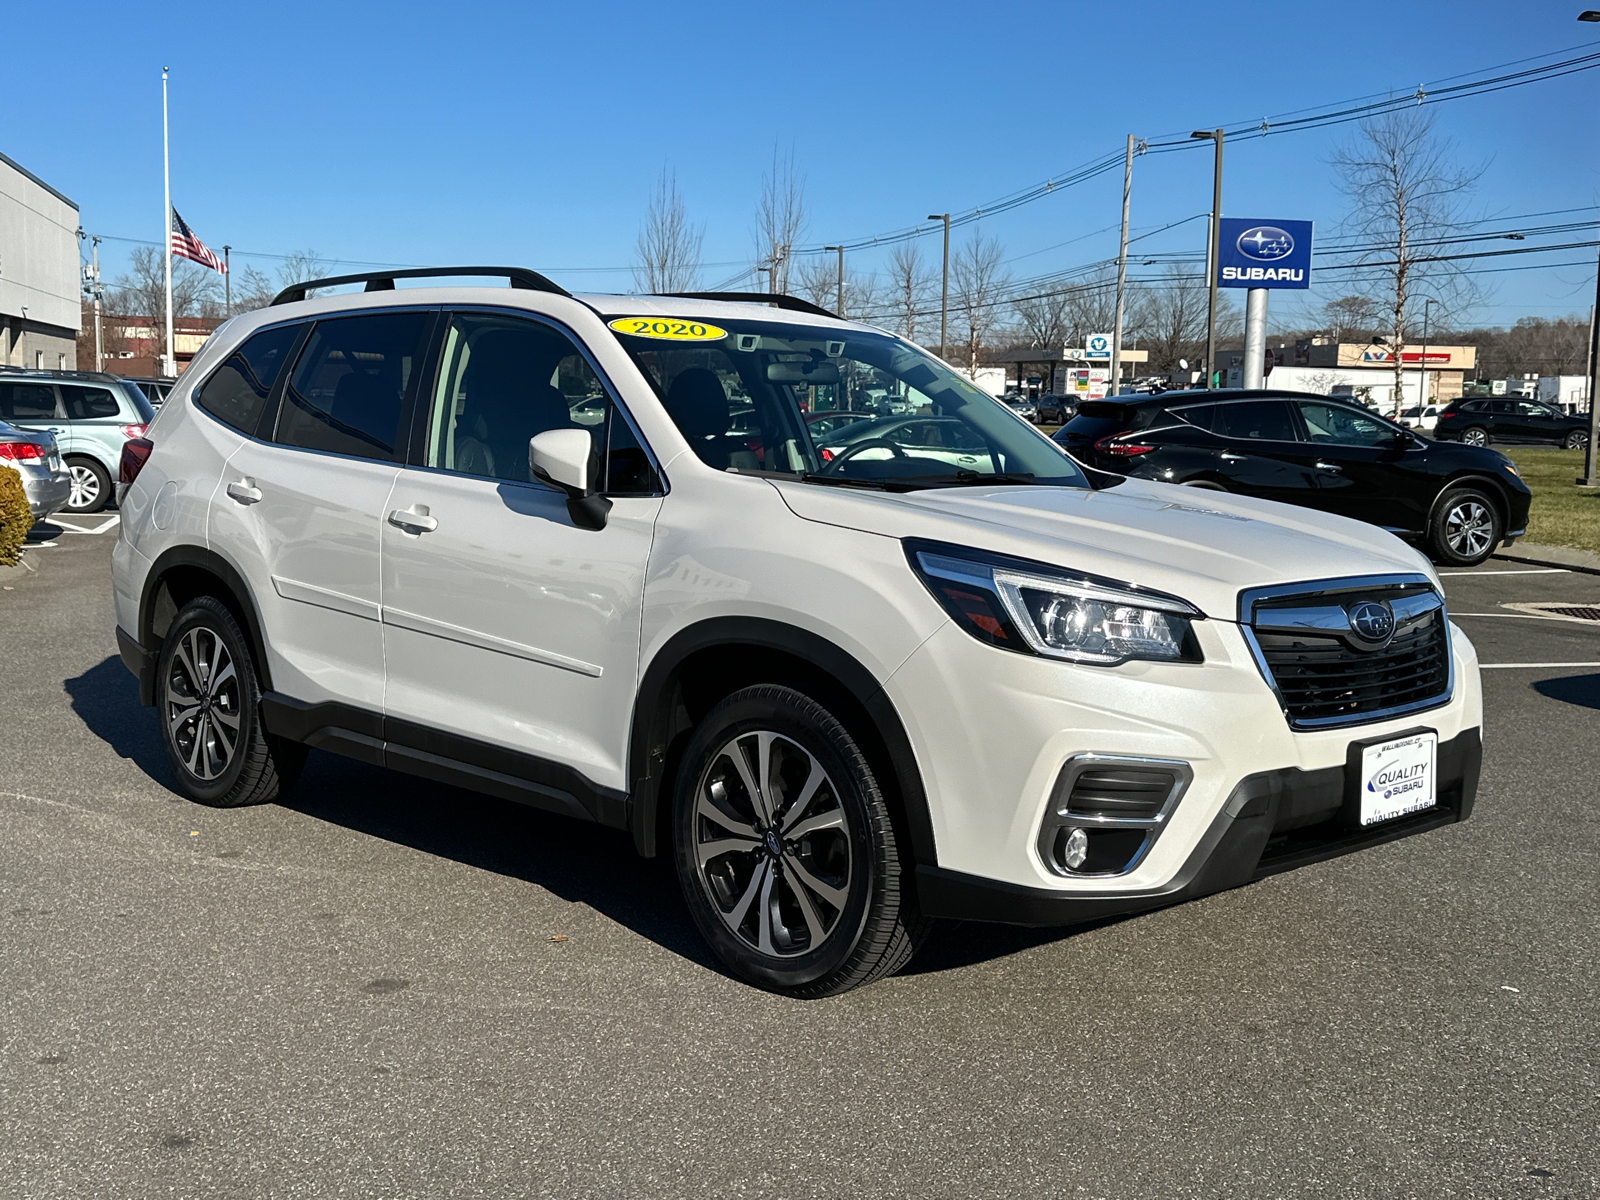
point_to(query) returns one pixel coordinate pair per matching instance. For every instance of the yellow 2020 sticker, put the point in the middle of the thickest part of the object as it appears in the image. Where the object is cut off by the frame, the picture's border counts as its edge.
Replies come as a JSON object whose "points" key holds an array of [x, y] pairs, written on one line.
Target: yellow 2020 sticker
{"points": [[668, 329]]}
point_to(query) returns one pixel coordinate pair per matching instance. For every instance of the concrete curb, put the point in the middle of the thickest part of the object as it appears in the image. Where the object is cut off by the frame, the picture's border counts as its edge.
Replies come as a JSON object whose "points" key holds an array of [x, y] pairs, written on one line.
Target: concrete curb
{"points": [[1585, 561]]}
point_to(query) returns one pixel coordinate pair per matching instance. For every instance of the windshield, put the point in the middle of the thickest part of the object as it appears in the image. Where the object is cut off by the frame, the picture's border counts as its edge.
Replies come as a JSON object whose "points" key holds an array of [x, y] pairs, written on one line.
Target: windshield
{"points": [[747, 394]]}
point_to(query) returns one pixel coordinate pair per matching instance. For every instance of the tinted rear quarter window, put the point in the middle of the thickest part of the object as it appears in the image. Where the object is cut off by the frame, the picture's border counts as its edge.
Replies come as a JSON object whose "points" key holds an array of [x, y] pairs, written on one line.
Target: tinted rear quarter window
{"points": [[89, 403], [27, 402], [344, 395], [238, 389]]}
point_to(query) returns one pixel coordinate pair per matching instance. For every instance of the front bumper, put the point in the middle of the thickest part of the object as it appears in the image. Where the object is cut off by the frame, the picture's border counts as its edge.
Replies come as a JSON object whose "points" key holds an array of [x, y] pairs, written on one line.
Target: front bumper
{"points": [[1273, 821]]}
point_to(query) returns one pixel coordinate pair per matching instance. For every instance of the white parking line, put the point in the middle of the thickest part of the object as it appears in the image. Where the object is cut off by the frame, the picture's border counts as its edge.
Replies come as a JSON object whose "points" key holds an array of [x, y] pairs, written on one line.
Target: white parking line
{"points": [[1534, 571], [1510, 616], [1537, 666], [115, 520]]}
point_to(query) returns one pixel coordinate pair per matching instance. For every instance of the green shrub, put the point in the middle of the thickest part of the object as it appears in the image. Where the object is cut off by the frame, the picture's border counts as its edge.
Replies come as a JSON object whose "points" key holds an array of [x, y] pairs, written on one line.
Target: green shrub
{"points": [[16, 518]]}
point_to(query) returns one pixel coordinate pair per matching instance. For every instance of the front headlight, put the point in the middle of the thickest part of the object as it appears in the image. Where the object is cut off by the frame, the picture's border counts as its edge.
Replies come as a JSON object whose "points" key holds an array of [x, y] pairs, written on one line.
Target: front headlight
{"points": [[1037, 609]]}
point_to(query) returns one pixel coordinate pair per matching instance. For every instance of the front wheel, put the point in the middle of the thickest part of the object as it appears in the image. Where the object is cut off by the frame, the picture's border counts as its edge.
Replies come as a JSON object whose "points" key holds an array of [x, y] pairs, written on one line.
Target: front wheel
{"points": [[1476, 436], [785, 850], [1577, 440], [210, 712], [1465, 529]]}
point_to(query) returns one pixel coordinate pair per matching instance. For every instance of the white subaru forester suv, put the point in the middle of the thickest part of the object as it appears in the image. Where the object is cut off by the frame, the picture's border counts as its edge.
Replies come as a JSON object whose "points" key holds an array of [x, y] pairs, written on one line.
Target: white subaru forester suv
{"points": [[583, 553]]}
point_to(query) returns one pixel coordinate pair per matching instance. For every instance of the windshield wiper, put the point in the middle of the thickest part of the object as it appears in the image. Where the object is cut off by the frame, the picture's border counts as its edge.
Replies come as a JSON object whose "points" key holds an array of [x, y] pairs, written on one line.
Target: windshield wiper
{"points": [[876, 485], [976, 479]]}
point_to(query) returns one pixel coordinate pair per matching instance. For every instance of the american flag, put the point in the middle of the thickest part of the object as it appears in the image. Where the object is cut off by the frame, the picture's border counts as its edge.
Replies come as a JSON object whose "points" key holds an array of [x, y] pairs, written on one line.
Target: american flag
{"points": [[186, 245]]}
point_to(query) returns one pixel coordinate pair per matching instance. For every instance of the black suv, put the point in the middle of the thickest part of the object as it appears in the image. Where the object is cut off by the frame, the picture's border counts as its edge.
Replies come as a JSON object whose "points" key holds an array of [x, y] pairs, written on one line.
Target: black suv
{"points": [[1480, 421], [1316, 451]]}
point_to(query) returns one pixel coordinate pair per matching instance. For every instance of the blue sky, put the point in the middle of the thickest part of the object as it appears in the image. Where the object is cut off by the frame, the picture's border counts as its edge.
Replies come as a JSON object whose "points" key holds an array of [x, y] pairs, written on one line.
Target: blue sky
{"points": [[532, 133]]}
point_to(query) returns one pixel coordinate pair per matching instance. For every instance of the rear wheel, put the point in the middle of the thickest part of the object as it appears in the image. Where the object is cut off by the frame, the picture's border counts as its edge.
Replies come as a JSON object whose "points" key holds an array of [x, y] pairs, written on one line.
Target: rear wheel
{"points": [[1477, 435], [91, 486], [1465, 529], [210, 712], [1577, 440], [785, 849]]}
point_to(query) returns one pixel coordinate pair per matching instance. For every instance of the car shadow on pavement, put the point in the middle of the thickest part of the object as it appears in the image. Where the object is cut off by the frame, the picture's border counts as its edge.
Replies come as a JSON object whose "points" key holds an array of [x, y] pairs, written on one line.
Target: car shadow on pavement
{"points": [[957, 944], [1582, 690], [106, 696]]}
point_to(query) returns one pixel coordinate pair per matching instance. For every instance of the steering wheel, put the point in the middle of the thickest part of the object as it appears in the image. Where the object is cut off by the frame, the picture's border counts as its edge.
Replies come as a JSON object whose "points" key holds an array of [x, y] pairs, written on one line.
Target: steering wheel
{"points": [[850, 452]]}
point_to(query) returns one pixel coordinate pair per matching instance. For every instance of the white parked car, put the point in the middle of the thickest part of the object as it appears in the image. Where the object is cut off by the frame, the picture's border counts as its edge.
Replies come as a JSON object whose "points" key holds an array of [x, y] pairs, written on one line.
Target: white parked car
{"points": [[1420, 417], [524, 542]]}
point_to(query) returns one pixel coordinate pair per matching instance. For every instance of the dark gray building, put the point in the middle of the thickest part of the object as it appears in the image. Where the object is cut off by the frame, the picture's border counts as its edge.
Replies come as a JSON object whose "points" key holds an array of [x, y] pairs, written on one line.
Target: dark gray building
{"points": [[40, 312]]}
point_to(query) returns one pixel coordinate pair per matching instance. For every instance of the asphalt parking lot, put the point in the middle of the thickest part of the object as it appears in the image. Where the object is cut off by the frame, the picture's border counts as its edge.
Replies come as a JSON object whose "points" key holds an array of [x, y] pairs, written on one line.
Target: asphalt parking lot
{"points": [[382, 987]]}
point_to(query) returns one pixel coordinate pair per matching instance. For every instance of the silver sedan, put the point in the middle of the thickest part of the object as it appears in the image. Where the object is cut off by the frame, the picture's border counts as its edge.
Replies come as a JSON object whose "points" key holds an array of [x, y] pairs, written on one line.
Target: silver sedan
{"points": [[33, 454]]}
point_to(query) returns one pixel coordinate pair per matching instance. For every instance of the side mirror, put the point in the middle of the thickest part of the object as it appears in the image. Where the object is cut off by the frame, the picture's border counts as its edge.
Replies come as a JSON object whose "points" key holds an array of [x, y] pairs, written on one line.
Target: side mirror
{"points": [[561, 457]]}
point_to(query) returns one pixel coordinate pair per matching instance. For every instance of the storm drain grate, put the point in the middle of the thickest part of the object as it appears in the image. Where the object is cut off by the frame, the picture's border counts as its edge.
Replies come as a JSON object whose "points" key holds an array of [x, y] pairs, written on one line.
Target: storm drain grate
{"points": [[1587, 613]]}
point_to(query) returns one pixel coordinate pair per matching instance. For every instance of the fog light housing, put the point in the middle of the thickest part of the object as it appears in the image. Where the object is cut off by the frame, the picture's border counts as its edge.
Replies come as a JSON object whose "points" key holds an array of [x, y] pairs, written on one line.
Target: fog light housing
{"points": [[1107, 810], [1076, 852]]}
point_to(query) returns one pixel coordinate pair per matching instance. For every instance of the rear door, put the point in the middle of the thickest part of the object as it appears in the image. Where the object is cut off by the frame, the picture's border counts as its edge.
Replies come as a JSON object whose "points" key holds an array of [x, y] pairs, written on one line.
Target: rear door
{"points": [[95, 414], [1262, 454]]}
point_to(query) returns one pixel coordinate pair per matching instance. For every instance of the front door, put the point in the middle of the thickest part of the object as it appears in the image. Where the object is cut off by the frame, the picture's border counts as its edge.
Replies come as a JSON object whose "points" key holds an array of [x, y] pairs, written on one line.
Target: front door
{"points": [[1364, 471], [504, 622], [1262, 454], [306, 510]]}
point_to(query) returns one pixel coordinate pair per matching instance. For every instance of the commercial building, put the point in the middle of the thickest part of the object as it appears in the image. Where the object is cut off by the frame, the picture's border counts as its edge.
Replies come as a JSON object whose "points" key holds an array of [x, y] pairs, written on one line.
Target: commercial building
{"points": [[1364, 371], [1068, 371], [39, 310]]}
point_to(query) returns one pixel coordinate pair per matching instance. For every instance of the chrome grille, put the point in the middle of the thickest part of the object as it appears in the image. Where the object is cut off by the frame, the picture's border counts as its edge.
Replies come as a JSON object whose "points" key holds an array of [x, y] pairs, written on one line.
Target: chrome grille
{"points": [[1325, 672]]}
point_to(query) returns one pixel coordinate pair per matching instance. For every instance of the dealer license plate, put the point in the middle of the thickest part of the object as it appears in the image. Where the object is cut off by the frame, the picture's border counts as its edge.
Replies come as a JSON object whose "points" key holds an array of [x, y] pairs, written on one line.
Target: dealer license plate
{"points": [[1399, 777]]}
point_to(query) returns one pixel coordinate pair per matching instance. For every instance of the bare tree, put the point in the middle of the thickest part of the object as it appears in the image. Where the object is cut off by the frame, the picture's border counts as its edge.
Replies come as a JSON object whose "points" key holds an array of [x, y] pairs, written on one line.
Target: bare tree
{"points": [[1405, 192], [979, 285], [252, 289], [1043, 319], [1170, 319], [780, 220], [300, 265], [817, 279], [1351, 316], [910, 285], [141, 291], [669, 246], [1091, 306]]}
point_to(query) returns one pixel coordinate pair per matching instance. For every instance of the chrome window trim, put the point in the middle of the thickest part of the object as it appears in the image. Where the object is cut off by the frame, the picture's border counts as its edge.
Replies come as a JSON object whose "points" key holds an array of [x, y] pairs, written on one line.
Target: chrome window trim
{"points": [[1251, 597], [1058, 818]]}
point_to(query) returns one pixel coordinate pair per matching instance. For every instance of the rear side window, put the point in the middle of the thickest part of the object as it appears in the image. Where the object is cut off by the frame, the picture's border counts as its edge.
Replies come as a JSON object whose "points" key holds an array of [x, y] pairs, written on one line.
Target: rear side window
{"points": [[238, 389], [27, 402], [1198, 415], [1256, 420], [345, 393], [89, 403]]}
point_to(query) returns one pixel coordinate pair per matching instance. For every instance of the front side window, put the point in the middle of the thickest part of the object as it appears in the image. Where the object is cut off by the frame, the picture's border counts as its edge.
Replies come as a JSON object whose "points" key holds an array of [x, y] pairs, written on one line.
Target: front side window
{"points": [[347, 388], [1334, 424], [27, 402], [89, 403], [238, 389], [1256, 420], [503, 380], [740, 391]]}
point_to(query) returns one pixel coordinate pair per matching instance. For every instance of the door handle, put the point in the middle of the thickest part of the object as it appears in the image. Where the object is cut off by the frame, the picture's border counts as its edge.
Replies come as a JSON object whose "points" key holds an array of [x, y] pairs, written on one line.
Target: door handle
{"points": [[244, 490], [414, 519], [1333, 468], [1226, 457]]}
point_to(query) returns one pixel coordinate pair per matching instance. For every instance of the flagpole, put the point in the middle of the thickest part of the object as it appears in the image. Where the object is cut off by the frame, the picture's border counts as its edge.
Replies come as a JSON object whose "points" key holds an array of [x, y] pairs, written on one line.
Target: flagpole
{"points": [[166, 239]]}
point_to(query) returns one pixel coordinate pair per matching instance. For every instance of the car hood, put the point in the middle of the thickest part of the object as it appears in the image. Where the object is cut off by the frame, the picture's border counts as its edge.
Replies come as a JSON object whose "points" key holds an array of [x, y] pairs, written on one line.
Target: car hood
{"points": [[1202, 546]]}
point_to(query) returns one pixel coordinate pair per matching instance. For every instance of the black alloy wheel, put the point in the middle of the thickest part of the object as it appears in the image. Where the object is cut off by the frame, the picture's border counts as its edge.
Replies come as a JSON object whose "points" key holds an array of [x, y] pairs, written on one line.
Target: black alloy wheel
{"points": [[785, 849], [1465, 529], [91, 486], [1577, 439], [1475, 435], [210, 711]]}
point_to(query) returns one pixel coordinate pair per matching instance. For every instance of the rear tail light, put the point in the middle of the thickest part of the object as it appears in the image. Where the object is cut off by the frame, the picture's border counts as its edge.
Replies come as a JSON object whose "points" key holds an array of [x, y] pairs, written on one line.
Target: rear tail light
{"points": [[1121, 449], [135, 453], [22, 452], [134, 431]]}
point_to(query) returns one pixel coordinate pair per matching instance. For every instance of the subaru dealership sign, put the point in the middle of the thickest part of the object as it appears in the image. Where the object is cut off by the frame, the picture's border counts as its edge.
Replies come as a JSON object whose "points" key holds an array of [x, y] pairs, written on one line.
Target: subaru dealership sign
{"points": [[1264, 254]]}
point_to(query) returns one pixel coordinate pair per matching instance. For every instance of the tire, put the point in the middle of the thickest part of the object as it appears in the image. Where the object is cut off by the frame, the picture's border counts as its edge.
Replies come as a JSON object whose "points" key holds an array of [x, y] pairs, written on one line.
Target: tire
{"points": [[1576, 440], [806, 916], [1475, 435], [91, 486], [1465, 529], [205, 682]]}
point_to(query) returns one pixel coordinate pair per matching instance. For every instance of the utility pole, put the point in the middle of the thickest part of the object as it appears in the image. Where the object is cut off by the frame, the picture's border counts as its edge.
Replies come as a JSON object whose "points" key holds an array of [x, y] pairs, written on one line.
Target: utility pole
{"points": [[96, 291], [1591, 468], [838, 307], [1122, 272], [227, 281], [169, 365], [944, 289], [1213, 252]]}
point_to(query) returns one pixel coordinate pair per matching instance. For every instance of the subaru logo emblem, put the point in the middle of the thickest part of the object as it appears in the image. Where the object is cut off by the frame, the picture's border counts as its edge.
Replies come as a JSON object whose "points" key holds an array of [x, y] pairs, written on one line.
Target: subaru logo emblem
{"points": [[1265, 243], [1372, 622]]}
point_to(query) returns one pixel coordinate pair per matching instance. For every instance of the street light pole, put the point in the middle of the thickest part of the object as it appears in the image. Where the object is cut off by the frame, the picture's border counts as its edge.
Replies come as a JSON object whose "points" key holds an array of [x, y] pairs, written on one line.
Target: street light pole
{"points": [[1213, 252], [1122, 272], [838, 306], [944, 290], [1591, 466]]}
